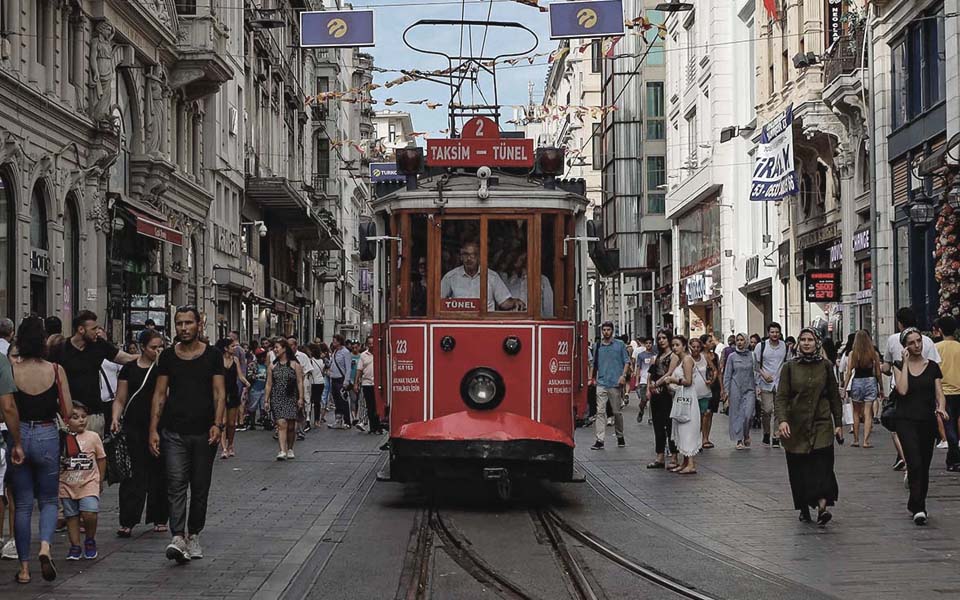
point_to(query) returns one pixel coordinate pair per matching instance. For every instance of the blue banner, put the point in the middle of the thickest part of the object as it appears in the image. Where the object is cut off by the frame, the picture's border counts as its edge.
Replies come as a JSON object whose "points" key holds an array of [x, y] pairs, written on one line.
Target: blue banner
{"points": [[336, 28], [385, 171], [774, 173], [596, 18]]}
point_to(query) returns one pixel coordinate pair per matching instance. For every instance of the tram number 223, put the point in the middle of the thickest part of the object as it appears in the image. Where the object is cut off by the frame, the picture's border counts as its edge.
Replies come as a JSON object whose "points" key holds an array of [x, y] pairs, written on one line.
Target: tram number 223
{"points": [[563, 348], [401, 347]]}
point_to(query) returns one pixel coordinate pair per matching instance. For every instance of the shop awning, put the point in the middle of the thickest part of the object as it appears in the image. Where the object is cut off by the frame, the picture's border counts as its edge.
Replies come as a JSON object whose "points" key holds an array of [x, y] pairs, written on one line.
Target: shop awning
{"points": [[233, 279], [153, 227]]}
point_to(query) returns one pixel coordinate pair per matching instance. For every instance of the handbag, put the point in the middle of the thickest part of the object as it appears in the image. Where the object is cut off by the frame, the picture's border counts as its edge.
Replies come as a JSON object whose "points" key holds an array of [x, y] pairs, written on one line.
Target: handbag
{"points": [[682, 409], [888, 412], [116, 445]]}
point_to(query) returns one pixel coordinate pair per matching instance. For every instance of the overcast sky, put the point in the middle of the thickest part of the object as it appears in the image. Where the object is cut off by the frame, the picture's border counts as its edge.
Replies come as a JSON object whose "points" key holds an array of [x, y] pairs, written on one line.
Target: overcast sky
{"points": [[393, 16]]}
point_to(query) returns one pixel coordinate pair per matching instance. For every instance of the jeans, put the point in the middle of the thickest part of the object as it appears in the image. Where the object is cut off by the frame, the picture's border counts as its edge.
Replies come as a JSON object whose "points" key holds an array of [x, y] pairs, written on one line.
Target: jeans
{"points": [[255, 400], [917, 439], [608, 397], [341, 404], [37, 478], [146, 484], [373, 419], [189, 460], [950, 427]]}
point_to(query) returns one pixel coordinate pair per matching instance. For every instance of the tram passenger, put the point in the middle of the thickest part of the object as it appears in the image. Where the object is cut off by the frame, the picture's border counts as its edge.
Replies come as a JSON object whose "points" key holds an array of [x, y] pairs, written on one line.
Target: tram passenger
{"points": [[515, 277], [418, 289], [464, 282]]}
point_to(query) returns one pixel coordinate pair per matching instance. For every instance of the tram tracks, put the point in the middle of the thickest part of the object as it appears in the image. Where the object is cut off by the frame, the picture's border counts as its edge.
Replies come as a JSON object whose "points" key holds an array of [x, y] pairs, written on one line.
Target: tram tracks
{"points": [[431, 532]]}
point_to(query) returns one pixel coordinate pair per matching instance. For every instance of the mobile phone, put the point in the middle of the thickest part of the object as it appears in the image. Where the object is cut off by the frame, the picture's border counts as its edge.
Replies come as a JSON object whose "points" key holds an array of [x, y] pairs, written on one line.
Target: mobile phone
{"points": [[839, 439]]}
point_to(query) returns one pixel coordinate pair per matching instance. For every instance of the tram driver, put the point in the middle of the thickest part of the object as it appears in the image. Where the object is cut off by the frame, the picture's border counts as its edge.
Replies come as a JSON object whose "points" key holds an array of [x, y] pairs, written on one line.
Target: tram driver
{"points": [[464, 282]]}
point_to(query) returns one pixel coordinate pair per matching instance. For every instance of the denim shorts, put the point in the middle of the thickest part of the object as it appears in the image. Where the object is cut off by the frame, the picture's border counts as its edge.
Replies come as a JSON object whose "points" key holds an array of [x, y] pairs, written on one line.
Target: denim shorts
{"points": [[73, 508], [863, 389]]}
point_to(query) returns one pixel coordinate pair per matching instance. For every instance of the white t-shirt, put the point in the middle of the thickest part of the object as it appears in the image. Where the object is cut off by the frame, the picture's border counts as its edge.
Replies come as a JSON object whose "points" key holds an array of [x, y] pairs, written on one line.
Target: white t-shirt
{"points": [[643, 359], [457, 284], [306, 365], [700, 375], [111, 370]]}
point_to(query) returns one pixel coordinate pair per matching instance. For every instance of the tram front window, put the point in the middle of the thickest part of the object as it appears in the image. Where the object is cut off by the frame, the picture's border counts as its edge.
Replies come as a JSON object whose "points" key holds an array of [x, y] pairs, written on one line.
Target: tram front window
{"points": [[460, 285], [507, 254]]}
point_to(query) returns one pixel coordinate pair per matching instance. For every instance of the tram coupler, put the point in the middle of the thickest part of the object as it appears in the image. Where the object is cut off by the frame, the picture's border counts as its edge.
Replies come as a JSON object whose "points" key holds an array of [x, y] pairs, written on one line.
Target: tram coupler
{"points": [[495, 473]]}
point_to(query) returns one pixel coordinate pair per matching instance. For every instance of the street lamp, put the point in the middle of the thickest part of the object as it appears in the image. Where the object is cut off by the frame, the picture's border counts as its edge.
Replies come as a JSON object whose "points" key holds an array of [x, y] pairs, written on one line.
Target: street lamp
{"points": [[953, 197], [674, 6], [922, 212]]}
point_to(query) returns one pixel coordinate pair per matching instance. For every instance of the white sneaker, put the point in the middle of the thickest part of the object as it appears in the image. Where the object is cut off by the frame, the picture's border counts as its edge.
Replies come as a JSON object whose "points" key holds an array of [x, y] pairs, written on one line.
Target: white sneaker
{"points": [[193, 547], [942, 445], [920, 518], [281, 455], [177, 550], [290, 455], [9, 551]]}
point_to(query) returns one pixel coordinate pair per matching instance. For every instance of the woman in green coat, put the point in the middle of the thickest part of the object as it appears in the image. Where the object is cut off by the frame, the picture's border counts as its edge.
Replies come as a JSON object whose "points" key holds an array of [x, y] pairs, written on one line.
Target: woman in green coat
{"points": [[809, 412]]}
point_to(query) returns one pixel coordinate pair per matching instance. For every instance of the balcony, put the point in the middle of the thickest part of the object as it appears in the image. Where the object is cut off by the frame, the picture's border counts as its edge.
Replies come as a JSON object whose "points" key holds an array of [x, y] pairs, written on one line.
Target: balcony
{"points": [[283, 204], [202, 66], [844, 57]]}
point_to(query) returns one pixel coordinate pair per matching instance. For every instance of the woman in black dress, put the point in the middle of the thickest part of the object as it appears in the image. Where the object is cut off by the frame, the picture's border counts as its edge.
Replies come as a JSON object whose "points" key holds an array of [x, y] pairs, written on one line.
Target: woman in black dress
{"points": [[661, 399], [131, 411], [231, 374], [920, 400], [284, 396]]}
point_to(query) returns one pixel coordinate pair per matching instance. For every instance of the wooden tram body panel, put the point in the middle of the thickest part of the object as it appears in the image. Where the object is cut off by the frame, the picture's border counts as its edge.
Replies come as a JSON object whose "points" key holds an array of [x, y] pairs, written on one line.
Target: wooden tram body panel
{"points": [[435, 432]]}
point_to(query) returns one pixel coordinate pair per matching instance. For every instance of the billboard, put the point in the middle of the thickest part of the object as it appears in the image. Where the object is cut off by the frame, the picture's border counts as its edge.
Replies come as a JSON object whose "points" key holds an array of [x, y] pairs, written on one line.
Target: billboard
{"points": [[336, 28], [774, 173], [593, 19]]}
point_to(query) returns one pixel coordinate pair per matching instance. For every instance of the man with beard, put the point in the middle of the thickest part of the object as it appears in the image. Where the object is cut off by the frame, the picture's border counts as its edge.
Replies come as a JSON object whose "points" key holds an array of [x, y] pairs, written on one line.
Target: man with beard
{"points": [[189, 405]]}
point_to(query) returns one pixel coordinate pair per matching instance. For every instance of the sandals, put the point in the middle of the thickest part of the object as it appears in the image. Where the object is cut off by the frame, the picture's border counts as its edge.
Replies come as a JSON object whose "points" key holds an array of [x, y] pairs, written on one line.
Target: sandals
{"points": [[124, 532], [855, 445], [656, 465], [16, 578], [160, 529], [47, 568], [867, 445], [686, 472], [708, 445]]}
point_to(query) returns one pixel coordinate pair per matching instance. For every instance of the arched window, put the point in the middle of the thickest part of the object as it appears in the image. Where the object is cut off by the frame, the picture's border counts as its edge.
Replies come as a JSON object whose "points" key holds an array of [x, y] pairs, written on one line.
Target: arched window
{"points": [[71, 260], [39, 250], [7, 250]]}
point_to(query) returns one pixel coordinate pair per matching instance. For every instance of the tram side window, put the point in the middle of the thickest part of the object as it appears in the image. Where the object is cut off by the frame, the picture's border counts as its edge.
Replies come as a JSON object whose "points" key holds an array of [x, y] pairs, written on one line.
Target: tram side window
{"points": [[418, 265], [507, 258], [548, 260]]}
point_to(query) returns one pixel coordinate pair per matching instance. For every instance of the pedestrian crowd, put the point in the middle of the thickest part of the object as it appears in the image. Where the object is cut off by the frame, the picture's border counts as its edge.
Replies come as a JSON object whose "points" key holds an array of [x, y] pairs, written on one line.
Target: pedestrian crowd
{"points": [[803, 394], [77, 412]]}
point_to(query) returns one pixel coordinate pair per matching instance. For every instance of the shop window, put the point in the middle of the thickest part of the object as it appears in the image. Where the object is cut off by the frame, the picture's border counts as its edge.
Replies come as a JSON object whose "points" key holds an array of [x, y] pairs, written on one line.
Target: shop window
{"points": [[7, 250], [508, 262]]}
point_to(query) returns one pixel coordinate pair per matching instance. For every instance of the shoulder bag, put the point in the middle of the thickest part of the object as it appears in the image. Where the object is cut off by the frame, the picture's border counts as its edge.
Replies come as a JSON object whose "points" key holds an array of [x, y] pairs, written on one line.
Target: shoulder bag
{"points": [[116, 446]]}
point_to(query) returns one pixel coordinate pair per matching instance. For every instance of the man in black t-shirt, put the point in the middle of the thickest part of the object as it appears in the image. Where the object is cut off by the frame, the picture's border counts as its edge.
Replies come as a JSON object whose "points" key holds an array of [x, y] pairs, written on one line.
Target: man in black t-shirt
{"points": [[189, 406], [81, 357]]}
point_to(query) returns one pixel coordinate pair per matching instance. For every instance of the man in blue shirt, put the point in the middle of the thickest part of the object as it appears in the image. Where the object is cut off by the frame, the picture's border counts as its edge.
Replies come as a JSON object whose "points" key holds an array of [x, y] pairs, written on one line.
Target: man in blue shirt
{"points": [[611, 362]]}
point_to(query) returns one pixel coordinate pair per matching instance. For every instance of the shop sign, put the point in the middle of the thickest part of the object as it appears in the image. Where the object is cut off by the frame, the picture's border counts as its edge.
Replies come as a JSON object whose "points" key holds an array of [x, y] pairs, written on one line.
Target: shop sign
{"points": [[590, 19], [822, 285], [836, 252], [861, 240], [833, 15], [865, 296], [783, 258], [818, 237], [384, 171], [39, 262], [753, 267], [699, 287], [226, 241], [774, 173], [158, 231], [336, 28]]}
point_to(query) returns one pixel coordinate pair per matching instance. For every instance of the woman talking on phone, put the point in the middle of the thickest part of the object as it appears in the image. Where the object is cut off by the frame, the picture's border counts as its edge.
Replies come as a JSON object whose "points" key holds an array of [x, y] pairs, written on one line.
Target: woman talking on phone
{"points": [[920, 401], [809, 412]]}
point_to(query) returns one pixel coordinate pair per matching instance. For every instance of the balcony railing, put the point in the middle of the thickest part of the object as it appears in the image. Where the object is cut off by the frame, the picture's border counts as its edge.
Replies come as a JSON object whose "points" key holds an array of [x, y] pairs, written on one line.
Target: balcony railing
{"points": [[845, 57]]}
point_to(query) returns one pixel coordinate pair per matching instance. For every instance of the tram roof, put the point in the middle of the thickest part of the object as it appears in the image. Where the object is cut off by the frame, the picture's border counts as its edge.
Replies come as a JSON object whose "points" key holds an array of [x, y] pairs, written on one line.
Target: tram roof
{"points": [[460, 190]]}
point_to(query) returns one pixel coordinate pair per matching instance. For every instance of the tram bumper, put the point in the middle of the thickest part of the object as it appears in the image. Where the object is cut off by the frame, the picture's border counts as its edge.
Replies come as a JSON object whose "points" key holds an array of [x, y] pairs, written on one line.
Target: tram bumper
{"points": [[472, 445]]}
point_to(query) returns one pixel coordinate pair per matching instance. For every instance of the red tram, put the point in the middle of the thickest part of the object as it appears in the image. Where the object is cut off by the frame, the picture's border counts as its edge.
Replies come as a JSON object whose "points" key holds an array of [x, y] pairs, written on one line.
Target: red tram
{"points": [[480, 312]]}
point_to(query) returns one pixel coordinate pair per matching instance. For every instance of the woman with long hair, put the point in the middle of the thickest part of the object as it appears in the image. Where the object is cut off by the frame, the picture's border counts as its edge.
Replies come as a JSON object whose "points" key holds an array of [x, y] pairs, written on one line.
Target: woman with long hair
{"points": [[316, 355], [809, 414], [131, 412], [42, 394], [284, 396], [231, 374], [660, 399], [740, 391], [686, 430], [920, 401], [863, 381]]}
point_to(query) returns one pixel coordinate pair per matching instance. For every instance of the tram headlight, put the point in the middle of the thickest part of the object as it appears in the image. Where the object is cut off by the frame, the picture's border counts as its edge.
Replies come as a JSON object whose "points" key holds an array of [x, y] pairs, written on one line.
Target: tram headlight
{"points": [[482, 388]]}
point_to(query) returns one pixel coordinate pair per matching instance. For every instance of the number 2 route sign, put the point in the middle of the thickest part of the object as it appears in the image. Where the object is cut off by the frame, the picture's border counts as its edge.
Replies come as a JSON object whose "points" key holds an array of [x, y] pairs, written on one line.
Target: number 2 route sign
{"points": [[480, 146]]}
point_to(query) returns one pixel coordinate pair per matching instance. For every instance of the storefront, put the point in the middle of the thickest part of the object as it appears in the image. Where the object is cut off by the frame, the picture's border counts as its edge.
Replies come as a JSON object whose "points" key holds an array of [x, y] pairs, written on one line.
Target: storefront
{"points": [[759, 295], [699, 245], [818, 250]]}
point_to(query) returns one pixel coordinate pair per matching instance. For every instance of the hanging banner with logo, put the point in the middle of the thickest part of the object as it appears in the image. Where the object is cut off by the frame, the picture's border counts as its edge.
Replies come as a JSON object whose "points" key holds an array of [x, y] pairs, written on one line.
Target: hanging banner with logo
{"points": [[774, 175], [593, 19], [833, 15], [336, 28]]}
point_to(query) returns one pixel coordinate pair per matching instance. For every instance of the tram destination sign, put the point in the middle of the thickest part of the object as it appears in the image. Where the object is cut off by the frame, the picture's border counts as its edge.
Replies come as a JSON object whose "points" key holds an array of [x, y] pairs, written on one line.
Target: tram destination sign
{"points": [[480, 145], [822, 286]]}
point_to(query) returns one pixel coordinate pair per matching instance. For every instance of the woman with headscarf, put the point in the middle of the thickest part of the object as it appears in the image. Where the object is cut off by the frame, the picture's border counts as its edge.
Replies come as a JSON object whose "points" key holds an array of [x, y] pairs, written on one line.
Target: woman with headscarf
{"points": [[809, 412], [740, 391]]}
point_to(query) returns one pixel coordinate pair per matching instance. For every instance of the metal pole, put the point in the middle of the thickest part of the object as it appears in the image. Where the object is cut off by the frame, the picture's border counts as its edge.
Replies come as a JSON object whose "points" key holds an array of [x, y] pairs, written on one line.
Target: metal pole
{"points": [[623, 313]]}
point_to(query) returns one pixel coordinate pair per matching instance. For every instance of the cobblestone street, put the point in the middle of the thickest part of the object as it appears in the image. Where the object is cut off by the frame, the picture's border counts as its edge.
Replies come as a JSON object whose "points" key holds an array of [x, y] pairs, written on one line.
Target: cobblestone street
{"points": [[283, 530]]}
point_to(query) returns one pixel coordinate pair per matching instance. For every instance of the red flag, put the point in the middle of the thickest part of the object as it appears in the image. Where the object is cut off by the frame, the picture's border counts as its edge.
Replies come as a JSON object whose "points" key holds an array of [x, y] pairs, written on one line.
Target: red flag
{"points": [[771, 6]]}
